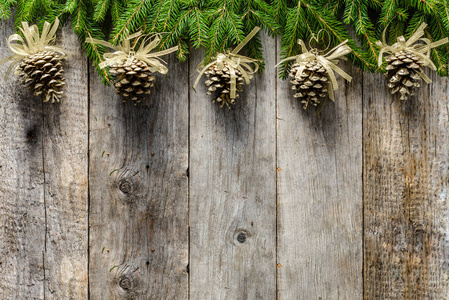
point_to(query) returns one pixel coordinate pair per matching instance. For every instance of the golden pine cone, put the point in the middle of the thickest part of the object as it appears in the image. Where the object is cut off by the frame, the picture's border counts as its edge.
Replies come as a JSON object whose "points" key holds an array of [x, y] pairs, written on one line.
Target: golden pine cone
{"points": [[220, 81], [42, 72], [311, 84], [402, 73], [132, 80]]}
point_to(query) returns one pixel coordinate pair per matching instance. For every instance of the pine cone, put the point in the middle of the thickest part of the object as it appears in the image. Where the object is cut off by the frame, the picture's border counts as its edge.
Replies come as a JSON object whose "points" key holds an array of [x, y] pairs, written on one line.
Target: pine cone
{"points": [[402, 73], [132, 80], [221, 81], [43, 73], [311, 85]]}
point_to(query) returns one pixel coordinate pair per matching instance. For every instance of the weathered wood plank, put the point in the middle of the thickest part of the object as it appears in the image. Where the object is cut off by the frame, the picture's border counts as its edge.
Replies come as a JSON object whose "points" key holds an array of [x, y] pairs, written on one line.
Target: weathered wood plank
{"points": [[44, 187], [139, 191], [319, 195], [65, 154], [233, 190], [22, 207], [406, 162]]}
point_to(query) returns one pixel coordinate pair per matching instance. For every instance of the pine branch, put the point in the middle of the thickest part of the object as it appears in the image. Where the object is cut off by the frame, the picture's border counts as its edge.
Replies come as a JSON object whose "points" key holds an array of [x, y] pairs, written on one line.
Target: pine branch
{"points": [[280, 9], [198, 27], [5, 9], [225, 30], [132, 18], [101, 9], [337, 31], [294, 30], [388, 9]]}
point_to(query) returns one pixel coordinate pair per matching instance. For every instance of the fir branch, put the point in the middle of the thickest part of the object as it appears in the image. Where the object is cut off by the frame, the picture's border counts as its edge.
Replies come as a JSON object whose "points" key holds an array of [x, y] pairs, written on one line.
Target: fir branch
{"points": [[198, 27], [79, 18], [132, 18], [337, 30], [280, 9], [101, 8], [5, 9], [225, 30], [294, 29], [351, 10], [388, 9], [116, 12]]}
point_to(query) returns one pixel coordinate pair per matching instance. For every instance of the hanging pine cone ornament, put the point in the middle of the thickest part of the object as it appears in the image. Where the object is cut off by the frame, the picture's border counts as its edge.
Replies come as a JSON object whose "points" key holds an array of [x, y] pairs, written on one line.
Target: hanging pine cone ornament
{"points": [[311, 85], [406, 62], [132, 79], [403, 73], [132, 70], [220, 80], [40, 64], [312, 74], [227, 73]]}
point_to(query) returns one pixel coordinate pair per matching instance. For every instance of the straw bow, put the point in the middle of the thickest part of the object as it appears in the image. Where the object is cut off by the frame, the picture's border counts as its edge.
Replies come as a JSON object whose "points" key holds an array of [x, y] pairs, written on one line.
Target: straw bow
{"points": [[32, 44], [420, 50], [234, 62], [126, 52], [328, 61]]}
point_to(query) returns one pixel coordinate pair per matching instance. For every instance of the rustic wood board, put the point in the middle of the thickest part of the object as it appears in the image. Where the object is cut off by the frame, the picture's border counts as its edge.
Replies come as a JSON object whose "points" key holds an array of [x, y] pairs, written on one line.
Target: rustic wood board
{"points": [[22, 207], [406, 162], [139, 191], [65, 156], [319, 195], [233, 190], [43, 246]]}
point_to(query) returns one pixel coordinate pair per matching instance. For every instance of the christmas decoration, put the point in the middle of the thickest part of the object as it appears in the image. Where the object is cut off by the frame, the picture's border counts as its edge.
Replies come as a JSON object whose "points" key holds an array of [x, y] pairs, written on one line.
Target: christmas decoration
{"points": [[404, 69], [313, 75], [132, 69], [227, 72], [40, 65], [219, 24], [361, 23]]}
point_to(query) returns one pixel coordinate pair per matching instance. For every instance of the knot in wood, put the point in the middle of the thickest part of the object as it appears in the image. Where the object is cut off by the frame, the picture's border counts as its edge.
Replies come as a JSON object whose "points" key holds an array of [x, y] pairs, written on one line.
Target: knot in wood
{"points": [[241, 236], [125, 282], [125, 186]]}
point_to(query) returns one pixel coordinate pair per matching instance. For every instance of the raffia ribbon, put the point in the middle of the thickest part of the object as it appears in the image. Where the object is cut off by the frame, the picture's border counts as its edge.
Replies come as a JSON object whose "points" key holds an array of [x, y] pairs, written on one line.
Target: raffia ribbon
{"points": [[235, 62], [328, 61], [420, 50], [125, 52], [32, 44]]}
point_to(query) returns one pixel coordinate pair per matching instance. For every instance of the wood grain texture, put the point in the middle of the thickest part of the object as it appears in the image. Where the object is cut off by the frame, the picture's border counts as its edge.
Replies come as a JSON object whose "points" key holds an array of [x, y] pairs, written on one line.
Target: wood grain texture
{"points": [[44, 187], [233, 190], [319, 195], [406, 162], [65, 154], [22, 207], [139, 191]]}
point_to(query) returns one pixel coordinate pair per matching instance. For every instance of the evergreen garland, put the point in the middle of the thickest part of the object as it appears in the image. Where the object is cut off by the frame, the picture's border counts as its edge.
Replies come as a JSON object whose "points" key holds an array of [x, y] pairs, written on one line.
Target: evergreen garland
{"points": [[217, 25]]}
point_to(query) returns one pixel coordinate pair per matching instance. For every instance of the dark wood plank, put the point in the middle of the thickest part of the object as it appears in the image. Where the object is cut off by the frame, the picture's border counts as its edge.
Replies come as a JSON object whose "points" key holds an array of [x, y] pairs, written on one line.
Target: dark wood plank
{"points": [[319, 195], [406, 163], [233, 190], [139, 191]]}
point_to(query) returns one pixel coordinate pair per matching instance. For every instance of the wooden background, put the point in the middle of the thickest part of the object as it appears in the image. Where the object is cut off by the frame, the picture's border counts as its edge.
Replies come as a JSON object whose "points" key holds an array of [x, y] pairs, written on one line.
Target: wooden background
{"points": [[179, 199]]}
